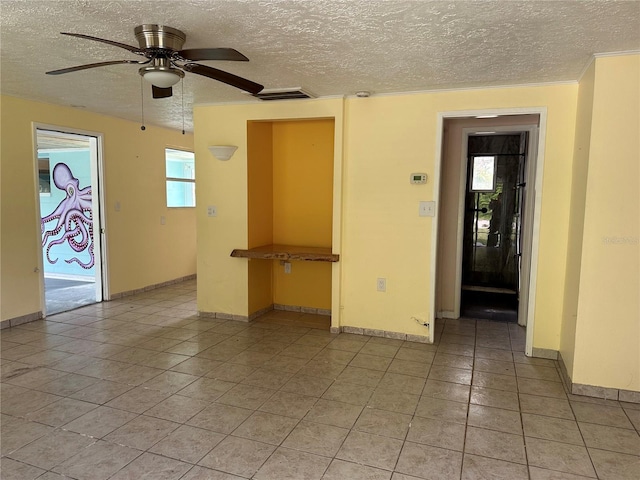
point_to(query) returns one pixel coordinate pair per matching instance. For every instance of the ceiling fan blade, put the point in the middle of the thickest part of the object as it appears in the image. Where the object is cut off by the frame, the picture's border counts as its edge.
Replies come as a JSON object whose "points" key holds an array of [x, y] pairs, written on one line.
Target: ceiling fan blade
{"points": [[91, 65], [224, 77], [212, 54], [132, 49], [159, 92]]}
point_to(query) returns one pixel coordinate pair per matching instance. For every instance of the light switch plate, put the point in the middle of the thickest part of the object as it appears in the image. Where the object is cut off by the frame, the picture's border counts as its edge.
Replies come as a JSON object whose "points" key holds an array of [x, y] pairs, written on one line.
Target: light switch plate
{"points": [[212, 211], [427, 209]]}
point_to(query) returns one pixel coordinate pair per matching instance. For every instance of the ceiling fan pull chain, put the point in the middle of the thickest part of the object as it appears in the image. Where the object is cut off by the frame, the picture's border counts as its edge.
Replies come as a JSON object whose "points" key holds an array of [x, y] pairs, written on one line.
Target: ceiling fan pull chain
{"points": [[142, 127], [182, 85]]}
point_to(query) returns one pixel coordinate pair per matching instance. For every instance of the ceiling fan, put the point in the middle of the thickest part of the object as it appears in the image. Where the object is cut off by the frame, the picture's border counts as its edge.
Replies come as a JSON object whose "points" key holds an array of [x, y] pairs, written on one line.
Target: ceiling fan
{"points": [[166, 63]]}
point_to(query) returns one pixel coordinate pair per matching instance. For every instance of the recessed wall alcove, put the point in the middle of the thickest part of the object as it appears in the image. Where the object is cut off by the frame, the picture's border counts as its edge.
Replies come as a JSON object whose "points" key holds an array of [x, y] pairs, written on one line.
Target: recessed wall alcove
{"points": [[290, 178]]}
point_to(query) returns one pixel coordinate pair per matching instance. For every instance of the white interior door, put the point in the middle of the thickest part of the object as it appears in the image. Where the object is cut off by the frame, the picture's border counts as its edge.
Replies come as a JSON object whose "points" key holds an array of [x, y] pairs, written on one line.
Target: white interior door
{"points": [[529, 196]]}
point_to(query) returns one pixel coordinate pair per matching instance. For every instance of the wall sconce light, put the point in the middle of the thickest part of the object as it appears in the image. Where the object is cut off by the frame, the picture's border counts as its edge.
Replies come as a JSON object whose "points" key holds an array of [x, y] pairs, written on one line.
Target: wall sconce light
{"points": [[222, 152]]}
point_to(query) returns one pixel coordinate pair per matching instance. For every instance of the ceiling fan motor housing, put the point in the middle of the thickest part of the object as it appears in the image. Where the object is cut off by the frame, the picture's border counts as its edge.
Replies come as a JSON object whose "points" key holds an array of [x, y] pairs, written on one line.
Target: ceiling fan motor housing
{"points": [[159, 37]]}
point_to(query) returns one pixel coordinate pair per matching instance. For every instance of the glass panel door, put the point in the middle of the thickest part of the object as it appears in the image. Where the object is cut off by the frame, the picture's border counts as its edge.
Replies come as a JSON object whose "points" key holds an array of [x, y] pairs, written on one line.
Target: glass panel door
{"points": [[491, 242]]}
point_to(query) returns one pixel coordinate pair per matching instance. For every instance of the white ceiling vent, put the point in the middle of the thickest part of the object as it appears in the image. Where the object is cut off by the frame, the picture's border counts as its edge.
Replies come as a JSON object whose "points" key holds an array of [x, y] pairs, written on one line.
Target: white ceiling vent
{"points": [[284, 94]]}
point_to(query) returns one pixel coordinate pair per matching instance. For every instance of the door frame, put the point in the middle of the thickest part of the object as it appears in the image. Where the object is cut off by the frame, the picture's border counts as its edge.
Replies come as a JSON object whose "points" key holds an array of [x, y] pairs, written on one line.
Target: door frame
{"points": [[99, 219], [533, 202]]}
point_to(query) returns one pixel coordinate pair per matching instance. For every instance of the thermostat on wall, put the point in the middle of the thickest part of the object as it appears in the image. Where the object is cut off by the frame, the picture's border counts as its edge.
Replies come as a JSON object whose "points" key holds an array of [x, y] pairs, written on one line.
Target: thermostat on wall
{"points": [[418, 178]]}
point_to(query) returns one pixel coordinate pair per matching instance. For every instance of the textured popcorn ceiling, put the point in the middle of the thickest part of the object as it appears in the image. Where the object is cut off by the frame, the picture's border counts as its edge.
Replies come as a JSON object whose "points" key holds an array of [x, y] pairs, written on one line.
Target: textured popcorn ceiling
{"points": [[329, 47]]}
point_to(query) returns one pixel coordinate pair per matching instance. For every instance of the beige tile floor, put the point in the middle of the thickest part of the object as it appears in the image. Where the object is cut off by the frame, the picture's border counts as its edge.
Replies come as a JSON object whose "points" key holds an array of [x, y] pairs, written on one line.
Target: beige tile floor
{"points": [[142, 388]]}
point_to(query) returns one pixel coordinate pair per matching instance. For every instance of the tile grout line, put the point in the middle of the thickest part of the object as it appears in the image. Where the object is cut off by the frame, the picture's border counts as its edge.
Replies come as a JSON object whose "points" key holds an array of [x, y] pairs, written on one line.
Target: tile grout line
{"points": [[466, 423]]}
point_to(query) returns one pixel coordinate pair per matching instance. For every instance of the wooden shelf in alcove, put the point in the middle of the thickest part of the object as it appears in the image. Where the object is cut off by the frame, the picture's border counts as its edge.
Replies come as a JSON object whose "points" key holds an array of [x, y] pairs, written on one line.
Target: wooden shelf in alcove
{"points": [[288, 252]]}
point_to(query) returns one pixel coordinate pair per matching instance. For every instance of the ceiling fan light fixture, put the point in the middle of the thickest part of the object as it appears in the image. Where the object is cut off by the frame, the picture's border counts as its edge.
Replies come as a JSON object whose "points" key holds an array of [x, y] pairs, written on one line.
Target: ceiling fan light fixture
{"points": [[162, 77]]}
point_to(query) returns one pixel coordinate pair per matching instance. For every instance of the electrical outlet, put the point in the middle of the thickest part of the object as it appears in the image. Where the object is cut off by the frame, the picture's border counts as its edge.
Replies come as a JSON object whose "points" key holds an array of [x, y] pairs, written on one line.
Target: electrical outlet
{"points": [[212, 211], [163, 220], [381, 284], [287, 267]]}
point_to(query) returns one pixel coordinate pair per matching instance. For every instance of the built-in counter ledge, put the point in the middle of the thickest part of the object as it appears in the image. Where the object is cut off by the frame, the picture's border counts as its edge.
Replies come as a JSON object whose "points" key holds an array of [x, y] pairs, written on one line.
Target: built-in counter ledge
{"points": [[288, 252]]}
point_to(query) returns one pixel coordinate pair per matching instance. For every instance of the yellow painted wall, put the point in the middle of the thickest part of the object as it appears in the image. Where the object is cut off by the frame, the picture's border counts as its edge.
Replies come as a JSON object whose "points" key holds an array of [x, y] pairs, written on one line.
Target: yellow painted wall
{"points": [[223, 280], [389, 137], [141, 251], [385, 139], [308, 284], [303, 207], [607, 345], [260, 211], [576, 219], [303, 182], [290, 202]]}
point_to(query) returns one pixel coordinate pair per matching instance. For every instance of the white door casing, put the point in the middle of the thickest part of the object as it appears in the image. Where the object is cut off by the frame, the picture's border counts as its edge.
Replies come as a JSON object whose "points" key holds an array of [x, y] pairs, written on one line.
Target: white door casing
{"points": [[531, 221], [95, 140]]}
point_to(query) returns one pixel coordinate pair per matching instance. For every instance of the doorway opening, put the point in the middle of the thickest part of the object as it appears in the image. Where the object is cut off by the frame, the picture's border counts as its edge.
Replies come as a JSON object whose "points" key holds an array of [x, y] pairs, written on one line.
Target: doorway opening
{"points": [[499, 257], [67, 174], [492, 237]]}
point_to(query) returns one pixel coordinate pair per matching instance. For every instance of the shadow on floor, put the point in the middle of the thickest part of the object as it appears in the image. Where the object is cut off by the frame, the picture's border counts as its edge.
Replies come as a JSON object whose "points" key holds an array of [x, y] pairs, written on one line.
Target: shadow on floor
{"points": [[489, 306]]}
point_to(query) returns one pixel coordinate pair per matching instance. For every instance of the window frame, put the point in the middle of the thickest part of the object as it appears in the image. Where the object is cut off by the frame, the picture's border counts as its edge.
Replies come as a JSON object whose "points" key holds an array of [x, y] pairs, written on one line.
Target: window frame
{"points": [[494, 159], [178, 179]]}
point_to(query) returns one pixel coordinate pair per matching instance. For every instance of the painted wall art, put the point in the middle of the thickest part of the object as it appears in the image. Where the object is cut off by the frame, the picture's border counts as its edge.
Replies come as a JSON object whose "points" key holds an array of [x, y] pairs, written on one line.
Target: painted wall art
{"points": [[73, 217]]}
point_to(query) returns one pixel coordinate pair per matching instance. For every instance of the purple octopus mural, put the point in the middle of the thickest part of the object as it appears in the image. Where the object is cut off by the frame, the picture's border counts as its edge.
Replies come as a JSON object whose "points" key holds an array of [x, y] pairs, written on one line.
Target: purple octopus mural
{"points": [[74, 218]]}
